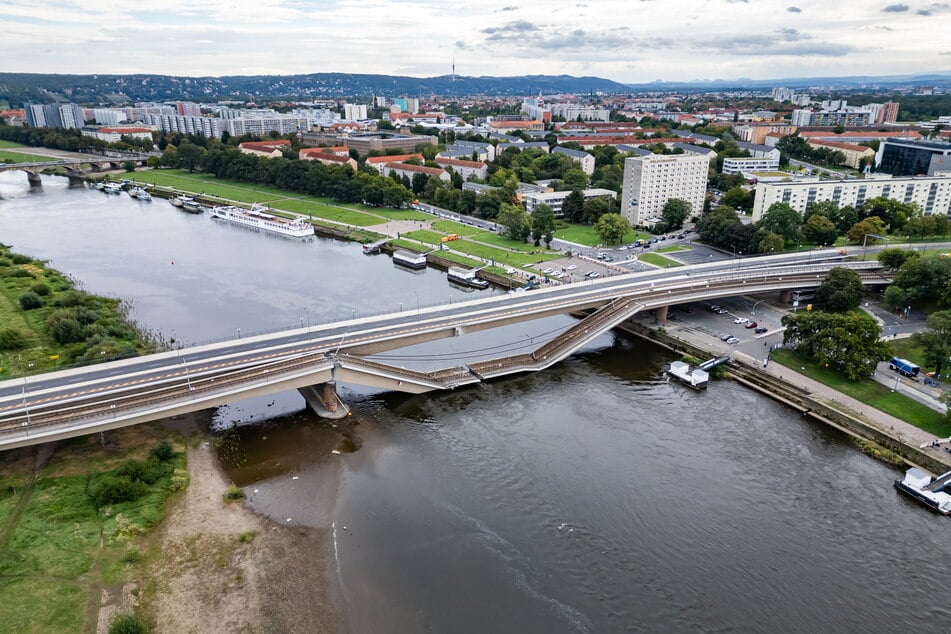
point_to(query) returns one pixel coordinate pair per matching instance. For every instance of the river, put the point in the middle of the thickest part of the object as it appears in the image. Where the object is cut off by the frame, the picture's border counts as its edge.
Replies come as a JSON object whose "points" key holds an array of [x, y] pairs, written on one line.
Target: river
{"points": [[591, 497]]}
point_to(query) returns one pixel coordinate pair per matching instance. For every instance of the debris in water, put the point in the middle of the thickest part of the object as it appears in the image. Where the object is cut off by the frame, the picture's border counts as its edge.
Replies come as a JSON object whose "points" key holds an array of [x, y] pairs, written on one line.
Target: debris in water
{"points": [[294, 477], [288, 519], [335, 451]]}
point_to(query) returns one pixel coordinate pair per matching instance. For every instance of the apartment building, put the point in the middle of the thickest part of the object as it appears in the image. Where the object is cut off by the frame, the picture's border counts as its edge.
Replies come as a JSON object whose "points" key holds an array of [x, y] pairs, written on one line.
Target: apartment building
{"points": [[931, 193], [650, 180], [556, 200], [853, 152]]}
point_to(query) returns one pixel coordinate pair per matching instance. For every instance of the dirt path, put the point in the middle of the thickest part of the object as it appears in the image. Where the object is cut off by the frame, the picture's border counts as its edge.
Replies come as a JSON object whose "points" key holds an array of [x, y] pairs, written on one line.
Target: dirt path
{"points": [[221, 568]]}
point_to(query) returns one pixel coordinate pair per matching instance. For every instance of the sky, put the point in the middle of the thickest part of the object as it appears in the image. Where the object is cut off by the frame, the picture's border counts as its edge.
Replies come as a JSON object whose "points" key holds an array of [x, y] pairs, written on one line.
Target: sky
{"points": [[623, 40]]}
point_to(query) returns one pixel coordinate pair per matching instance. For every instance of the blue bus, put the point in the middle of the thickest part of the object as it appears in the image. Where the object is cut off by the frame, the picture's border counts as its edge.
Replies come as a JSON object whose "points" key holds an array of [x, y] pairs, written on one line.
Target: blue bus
{"points": [[904, 367]]}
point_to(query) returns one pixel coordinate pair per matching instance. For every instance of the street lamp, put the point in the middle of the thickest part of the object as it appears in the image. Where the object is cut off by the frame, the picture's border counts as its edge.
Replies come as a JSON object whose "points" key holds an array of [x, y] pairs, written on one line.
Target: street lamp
{"points": [[239, 333], [865, 242], [753, 310]]}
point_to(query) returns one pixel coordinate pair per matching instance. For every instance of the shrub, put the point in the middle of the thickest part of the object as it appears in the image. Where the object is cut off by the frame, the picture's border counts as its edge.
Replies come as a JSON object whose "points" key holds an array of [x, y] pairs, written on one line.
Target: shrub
{"points": [[20, 273], [40, 289], [86, 315], [12, 339], [113, 489], [127, 624], [29, 300], [247, 537], [131, 557], [66, 331], [68, 299], [234, 494], [19, 258], [138, 471], [162, 452]]}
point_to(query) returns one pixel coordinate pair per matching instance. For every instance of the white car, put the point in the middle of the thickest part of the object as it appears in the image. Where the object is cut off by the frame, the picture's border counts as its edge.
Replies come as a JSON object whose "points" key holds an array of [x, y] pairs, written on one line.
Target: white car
{"points": [[592, 274], [571, 267], [733, 341], [548, 271], [509, 270], [741, 320]]}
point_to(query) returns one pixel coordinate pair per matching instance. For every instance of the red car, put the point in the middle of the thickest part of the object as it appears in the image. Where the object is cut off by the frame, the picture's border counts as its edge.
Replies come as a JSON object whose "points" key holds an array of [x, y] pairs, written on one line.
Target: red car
{"points": [[751, 324]]}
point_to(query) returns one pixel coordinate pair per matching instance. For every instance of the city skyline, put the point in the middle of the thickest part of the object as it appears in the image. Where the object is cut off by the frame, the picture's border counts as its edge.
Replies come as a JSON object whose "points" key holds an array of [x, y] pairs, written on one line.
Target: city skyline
{"points": [[674, 40]]}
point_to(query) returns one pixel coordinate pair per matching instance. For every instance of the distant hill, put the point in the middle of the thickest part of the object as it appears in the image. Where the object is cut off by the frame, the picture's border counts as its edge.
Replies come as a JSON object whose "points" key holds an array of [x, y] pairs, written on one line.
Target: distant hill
{"points": [[853, 82], [18, 88]]}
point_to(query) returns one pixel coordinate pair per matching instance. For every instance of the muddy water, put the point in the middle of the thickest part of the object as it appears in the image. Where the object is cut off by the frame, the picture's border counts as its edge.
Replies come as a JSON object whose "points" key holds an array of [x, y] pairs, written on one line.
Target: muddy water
{"points": [[592, 497]]}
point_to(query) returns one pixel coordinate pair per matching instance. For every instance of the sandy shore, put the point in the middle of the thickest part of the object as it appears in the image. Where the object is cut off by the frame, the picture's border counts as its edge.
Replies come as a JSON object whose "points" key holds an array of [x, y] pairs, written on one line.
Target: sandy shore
{"points": [[219, 567]]}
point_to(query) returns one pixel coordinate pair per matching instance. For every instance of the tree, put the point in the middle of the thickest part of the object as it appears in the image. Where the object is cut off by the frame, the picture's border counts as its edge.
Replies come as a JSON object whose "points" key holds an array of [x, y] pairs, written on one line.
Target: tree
{"points": [[675, 212], [846, 343], [781, 219], [573, 207], [190, 156], [612, 228], [857, 234], [769, 242], [515, 221], [574, 178], [597, 206], [819, 230], [893, 258], [935, 340], [922, 280], [543, 224], [738, 198], [842, 290]]}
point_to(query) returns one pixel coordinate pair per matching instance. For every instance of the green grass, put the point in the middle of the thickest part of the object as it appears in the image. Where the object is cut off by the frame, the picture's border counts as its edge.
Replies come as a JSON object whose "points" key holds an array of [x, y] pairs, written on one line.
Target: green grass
{"points": [[870, 392], [451, 226], [398, 214], [658, 260], [585, 234], [461, 259], [500, 256], [905, 349], [326, 212], [4, 144], [429, 237], [211, 186], [19, 157], [490, 237], [62, 546], [673, 249]]}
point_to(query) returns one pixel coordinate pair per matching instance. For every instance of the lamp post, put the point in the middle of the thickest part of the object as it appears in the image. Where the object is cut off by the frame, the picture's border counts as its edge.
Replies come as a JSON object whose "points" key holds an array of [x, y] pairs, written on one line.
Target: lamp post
{"points": [[865, 242], [239, 333], [753, 310]]}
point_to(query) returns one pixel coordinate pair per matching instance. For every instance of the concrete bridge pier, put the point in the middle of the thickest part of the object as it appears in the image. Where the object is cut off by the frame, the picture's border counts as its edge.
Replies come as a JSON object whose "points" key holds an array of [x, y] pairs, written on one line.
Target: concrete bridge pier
{"points": [[75, 178], [34, 179], [785, 296], [661, 313], [323, 399]]}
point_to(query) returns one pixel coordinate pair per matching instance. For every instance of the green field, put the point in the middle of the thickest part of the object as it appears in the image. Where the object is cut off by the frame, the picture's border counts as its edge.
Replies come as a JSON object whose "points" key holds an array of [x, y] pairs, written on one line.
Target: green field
{"points": [[451, 226], [500, 256], [490, 237], [326, 212], [870, 392], [211, 186], [427, 236], [9, 144], [585, 234], [658, 260], [674, 249], [65, 547], [18, 157]]}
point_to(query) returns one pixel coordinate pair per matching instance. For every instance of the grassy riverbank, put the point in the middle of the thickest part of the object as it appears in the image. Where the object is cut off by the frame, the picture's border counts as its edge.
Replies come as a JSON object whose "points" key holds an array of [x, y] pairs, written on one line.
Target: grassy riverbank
{"points": [[71, 519], [45, 323], [870, 392]]}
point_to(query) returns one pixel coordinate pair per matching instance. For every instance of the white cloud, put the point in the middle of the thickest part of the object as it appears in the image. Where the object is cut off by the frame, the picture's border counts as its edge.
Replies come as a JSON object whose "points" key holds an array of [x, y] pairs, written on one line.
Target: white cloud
{"points": [[617, 39]]}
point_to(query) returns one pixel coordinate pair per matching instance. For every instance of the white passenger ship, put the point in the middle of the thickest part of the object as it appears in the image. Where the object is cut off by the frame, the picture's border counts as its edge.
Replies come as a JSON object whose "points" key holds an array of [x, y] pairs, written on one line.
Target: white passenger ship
{"points": [[257, 218]]}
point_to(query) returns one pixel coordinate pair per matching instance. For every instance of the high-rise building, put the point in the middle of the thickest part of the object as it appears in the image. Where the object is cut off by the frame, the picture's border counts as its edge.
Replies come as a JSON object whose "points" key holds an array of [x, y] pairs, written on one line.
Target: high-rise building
{"points": [[188, 109], [889, 112], [650, 180], [54, 115], [354, 112]]}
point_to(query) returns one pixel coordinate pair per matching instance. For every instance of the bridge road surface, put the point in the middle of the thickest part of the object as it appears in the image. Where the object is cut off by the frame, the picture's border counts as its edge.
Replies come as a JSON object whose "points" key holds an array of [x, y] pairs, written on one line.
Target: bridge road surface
{"points": [[81, 384]]}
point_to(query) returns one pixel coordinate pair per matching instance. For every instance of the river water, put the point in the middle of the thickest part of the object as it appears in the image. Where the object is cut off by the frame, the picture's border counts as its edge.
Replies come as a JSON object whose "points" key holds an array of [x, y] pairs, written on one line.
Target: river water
{"points": [[591, 497]]}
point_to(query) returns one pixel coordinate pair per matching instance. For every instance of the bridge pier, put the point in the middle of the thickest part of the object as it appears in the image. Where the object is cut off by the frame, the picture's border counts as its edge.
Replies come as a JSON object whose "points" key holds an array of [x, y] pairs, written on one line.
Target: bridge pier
{"points": [[34, 179], [785, 296], [661, 313], [323, 400]]}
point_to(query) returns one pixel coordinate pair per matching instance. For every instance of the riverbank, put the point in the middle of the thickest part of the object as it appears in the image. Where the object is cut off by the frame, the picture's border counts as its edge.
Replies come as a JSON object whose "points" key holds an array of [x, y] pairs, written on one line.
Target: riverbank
{"points": [[216, 566], [811, 398]]}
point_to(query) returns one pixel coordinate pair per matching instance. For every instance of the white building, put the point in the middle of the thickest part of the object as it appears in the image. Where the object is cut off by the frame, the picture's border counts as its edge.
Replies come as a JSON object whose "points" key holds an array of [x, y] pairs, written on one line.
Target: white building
{"points": [[746, 164], [556, 200], [571, 112], [931, 193], [206, 126], [107, 116], [354, 112], [650, 180]]}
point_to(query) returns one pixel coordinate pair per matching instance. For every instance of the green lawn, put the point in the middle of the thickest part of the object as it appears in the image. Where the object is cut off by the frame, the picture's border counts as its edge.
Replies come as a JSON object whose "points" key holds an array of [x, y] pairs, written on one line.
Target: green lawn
{"points": [[490, 237], [658, 260], [395, 214], [673, 249], [18, 157], [870, 392], [451, 226], [9, 144], [207, 184], [429, 237], [905, 349], [585, 234], [500, 256], [327, 212]]}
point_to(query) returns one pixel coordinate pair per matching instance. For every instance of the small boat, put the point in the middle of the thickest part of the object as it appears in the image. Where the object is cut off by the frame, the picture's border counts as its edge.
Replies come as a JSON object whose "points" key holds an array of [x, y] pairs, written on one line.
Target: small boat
{"points": [[932, 492], [100, 185], [177, 201], [111, 187], [466, 277], [140, 193], [192, 206]]}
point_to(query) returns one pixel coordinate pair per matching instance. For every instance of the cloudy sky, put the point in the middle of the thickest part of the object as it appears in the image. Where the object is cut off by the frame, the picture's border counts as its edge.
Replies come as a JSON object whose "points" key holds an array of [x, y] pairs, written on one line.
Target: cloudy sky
{"points": [[623, 40]]}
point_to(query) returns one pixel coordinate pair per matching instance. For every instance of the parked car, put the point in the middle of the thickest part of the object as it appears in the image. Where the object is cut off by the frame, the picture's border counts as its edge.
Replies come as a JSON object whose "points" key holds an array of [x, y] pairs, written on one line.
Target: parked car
{"points": [[509, 270], [751, 324], [741, 320], [570, 267], [760, 330], [732, 340], [713, 308], [725, 337], [548, 271], [592, 274], [722, 311]]}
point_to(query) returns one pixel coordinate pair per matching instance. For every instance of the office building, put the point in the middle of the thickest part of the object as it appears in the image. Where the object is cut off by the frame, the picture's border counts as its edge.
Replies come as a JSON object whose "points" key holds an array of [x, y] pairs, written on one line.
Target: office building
{"points": [[900, 157]]}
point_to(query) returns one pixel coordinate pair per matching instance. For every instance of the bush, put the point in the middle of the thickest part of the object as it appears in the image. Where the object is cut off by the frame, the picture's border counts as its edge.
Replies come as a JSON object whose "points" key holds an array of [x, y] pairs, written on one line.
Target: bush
{"points": [[12, 339], [20, 273], [40, 289], [113, 489], [69, 299], [127, 624], [234, 494], [138, 471], [247, 537], [66, 331], [30, 300], [162, 452], [19, 258], [86, 315]]}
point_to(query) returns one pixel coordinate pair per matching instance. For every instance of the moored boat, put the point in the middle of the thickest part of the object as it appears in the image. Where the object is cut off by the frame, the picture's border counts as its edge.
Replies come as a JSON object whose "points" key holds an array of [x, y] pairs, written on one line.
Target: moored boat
{"points": [[466, 277], [110, 187], [932, 492], [177, 201], [191, 205], [409, 259], [258, 218]]}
